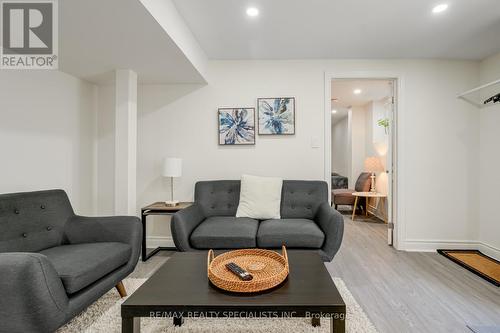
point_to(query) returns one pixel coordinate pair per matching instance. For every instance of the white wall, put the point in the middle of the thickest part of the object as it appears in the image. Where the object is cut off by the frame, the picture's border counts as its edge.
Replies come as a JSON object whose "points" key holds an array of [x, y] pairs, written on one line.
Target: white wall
{"points": [[106, 150], [125, 142], [358, 143], [489, 174], [376, 144], [47, 135], [339, 146], [377, 140], [437, 149]]}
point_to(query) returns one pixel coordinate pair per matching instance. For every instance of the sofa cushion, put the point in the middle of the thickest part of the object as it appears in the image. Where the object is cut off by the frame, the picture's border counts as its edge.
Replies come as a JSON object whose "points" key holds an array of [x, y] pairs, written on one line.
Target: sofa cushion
{"points": [[217, 197], [260, 197], [225, 232], [293, 233], [343, 196], [80, 265], [300, 199], [363, 183]]}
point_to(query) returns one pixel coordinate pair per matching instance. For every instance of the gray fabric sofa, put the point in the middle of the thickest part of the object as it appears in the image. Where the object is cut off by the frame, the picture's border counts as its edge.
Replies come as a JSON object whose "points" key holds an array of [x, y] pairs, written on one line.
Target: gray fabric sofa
{"points": [[307, 220], [53, 263]]}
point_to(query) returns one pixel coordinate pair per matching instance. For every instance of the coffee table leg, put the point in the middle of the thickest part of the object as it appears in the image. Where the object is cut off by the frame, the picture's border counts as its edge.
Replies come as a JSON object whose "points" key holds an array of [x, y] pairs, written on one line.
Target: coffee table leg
{"points": [[178, 321], [337, 325], [131, 325]]}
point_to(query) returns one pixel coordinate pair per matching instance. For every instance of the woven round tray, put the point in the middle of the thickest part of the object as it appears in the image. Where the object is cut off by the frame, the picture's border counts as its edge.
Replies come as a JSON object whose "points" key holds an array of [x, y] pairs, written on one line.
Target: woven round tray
{"points": [[268, 268]]}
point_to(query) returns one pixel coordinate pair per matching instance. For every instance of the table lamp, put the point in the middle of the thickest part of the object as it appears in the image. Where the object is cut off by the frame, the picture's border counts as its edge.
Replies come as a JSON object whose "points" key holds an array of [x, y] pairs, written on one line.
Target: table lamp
{"points": [[172, 167], [373, 165]]}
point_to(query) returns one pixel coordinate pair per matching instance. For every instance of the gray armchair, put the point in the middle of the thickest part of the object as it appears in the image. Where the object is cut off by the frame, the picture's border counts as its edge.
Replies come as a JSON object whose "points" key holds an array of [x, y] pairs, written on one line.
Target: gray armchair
{"points": [[53, 263], [307, 220]]}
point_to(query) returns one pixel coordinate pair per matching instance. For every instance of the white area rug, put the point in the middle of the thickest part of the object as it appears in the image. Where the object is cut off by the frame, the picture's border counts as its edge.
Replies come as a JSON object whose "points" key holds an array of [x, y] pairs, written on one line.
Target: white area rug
{"points": [[104, 317]]}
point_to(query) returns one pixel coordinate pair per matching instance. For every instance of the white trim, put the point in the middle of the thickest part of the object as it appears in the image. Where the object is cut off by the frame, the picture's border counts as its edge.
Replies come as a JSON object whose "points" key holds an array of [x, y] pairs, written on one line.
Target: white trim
{"points": [[95, 152], [156, 241], [328, 132], [420, 245], [489, 250], [399, 219], [479, 88], [463, 96]]}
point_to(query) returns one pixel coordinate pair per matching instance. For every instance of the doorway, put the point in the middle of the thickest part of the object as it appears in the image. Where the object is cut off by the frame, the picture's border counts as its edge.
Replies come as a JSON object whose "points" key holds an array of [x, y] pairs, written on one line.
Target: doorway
{"points": [[362, 159]]}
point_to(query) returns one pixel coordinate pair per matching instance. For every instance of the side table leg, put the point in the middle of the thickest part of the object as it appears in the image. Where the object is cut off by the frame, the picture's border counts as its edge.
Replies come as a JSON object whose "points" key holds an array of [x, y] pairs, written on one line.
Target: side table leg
{"points": [[337, 325], [354, 208], [131, 325], [143, 219], [366, 206]]}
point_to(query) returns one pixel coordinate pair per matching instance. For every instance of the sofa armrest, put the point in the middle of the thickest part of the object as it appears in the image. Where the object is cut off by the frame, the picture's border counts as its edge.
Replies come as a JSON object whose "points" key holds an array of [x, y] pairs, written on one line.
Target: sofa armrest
{"points": [[183, 224], [124, 229], [331, 223], [33, 298]]}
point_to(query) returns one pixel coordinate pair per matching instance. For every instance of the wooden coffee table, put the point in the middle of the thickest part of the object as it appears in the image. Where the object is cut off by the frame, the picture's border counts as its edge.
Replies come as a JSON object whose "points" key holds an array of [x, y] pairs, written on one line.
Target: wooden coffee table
{"points": [[180, 290]]}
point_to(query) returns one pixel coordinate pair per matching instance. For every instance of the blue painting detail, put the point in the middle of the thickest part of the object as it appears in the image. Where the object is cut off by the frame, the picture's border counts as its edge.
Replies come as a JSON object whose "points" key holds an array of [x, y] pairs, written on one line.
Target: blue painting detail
{"points": [[237, 126], [276, 115]]}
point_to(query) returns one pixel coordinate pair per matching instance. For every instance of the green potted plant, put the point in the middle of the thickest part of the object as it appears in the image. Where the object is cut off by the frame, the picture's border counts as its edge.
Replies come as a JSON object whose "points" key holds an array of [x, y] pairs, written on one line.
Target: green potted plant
{"points": [[384, 122]]}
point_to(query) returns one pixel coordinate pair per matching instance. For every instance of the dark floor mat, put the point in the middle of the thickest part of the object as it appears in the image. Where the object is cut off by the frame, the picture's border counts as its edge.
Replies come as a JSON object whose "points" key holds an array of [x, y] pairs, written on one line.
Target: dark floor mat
{"points": [[476, 262], [484, 329]]}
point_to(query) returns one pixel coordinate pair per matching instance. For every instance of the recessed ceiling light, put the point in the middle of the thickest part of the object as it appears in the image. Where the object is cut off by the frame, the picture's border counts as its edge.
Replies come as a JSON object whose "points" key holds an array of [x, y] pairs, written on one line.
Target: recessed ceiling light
{"points": [[440, 8], [252, 11], [357, 91], [334, 111]]}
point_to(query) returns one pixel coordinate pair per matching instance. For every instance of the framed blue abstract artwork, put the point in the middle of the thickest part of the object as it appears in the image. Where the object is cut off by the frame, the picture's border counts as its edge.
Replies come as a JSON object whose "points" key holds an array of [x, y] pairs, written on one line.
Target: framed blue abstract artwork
{"points": [[237, 126], [276, 115]]}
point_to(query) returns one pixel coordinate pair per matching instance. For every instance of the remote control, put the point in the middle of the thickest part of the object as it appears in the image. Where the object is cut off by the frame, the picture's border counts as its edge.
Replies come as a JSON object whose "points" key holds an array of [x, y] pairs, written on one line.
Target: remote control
{"points": [[240, 272]]}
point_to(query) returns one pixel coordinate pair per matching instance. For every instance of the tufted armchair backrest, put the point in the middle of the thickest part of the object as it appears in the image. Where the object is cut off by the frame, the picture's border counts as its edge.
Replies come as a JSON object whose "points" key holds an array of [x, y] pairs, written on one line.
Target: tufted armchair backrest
{"points": [[33, 221], [299, 198]]}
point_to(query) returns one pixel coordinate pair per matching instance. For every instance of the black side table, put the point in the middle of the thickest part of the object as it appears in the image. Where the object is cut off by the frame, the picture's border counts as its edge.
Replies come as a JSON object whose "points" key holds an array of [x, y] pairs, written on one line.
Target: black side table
{"points": [[158, 208]]}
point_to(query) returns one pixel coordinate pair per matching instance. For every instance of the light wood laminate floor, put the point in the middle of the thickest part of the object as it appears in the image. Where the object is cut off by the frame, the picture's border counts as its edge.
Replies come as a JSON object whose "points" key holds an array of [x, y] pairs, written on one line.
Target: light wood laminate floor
{"points": [[409, 291], [400, 291]]}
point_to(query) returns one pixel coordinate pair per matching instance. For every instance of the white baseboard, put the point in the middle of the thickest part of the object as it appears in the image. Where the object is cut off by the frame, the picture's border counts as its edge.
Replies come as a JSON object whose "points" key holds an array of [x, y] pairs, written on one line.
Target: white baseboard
{"points": [[410, 245], [418, 245], [489, 250], [156, 241]]}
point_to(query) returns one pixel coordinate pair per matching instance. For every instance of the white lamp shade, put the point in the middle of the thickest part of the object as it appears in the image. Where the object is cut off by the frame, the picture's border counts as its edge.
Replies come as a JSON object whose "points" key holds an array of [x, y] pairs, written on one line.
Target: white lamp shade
{"points": [[172, 167], [373, 164]]}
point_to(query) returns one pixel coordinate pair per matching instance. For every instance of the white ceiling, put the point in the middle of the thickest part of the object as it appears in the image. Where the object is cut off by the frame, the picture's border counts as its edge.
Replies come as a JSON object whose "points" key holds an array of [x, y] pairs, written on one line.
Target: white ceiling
{"points": [[96, 37], [294, 29], [371, 90]]}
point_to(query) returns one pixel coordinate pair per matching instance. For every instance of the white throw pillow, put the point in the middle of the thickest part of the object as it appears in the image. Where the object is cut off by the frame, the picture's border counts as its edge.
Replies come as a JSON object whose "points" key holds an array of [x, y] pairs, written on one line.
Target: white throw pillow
{"points": [[260, 197]]}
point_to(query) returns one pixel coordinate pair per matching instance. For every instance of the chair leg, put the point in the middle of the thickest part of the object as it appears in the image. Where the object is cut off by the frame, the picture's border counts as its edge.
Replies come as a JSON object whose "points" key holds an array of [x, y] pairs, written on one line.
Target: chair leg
{"points": [[121, 289], [336, 207]]}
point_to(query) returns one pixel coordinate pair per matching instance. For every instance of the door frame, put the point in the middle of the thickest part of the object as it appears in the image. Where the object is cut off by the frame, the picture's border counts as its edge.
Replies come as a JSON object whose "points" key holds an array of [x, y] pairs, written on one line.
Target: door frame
{"points": [[398, 220]]}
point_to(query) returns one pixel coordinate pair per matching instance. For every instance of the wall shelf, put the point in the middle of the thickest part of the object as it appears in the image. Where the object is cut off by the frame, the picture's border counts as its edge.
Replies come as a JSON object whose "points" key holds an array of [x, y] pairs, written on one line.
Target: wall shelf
{"points": [[477, 95]]}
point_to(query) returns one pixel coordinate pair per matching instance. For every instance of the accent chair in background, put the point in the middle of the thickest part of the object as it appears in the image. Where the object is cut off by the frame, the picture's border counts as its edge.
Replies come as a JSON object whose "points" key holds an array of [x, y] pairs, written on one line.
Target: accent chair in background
{"points": [[345, 197]]}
